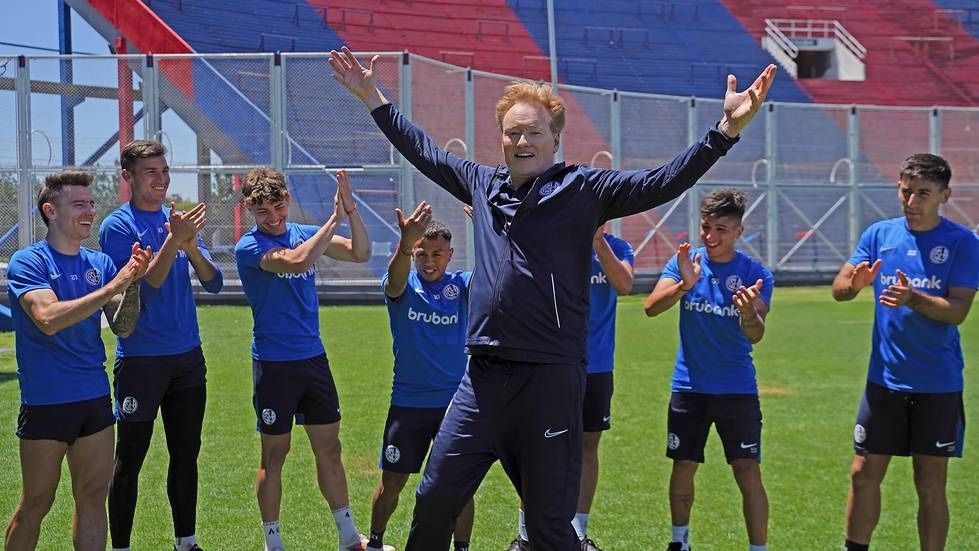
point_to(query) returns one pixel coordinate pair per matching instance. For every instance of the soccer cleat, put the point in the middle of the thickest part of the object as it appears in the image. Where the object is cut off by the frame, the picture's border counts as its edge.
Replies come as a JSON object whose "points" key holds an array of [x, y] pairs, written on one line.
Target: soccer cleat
{"points": [[362, 546], [676, 546], [194, 548], [588, 545], [519, 545]]}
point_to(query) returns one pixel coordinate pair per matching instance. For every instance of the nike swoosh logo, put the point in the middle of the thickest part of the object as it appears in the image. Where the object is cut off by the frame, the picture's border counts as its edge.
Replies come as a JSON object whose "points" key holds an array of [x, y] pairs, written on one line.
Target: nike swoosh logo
{"points": [[746, 446], [605, 419], [944, 444], [549, 434], [885, 249], [54, 276], [140, 234]]}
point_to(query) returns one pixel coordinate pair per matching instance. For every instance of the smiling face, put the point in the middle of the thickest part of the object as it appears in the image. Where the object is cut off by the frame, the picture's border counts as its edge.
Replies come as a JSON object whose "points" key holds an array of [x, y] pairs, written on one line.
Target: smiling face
{"points": [[71, 214], [149, 179], [921, 200], [432, 256], [271, 217], [529, 144], [718, 234]]}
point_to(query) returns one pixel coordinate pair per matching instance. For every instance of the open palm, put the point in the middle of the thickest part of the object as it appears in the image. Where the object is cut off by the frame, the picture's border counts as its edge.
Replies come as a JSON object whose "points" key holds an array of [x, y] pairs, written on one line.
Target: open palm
{"points": [[740, 107]]}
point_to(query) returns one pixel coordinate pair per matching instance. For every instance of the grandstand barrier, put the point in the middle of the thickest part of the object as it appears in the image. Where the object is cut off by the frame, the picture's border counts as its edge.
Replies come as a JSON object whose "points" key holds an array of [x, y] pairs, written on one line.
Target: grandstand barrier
{"points": [[816, 175]]}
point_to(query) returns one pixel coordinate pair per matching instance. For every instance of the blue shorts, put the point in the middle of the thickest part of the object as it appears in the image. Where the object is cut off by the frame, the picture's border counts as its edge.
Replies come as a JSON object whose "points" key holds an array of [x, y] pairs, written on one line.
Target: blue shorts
{"points": [[141, 382], [737, 418], [596, 413], [408, 433], [65, 422], [303, 389], [893, 422]]}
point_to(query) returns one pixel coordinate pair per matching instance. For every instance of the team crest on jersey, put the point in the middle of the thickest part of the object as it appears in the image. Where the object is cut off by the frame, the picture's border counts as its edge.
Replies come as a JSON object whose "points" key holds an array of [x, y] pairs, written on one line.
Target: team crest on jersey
{"points": [[392, 454], [268, 416], [938, 255], [548, 188], [672, 441], [859, 434], [732, 283], [93, 277], [129, 405], [451, 291]]}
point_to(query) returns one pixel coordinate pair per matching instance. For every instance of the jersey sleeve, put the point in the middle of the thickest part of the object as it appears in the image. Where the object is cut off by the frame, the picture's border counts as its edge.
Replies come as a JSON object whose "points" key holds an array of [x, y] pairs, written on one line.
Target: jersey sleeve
{"points": [[248, 253], [116, 239], [26, 272], [865, 247], [216, 283], [622, 250], [384, 283], [108, 267], [768, 283], [964, 271], [671, 270]]}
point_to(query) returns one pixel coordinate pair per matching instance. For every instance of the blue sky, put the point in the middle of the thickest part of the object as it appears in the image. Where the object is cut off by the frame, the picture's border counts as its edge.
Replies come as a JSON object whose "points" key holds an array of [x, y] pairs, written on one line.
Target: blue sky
{"points": [[29, 26]]}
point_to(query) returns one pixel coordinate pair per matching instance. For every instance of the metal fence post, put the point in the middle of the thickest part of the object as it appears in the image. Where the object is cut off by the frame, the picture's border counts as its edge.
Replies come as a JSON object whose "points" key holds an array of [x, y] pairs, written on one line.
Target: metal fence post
{"points": [[771, 229], [406, 189], [935, 132], [853, 153], [470, 98], [615, 137], [152, 125], [693, 202], [277, 116], [25, 191]]}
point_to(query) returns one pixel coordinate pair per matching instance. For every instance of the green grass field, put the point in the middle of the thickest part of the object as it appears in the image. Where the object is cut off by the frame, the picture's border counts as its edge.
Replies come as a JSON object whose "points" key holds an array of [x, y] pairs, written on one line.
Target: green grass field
{"points": [[811, 365]]}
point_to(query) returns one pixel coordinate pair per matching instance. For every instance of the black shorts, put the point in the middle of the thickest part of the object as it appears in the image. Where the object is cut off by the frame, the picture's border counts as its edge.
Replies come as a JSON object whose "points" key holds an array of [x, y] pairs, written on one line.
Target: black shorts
{"points": [[597, 411], [893, 422], [65, 422], [408, 433], [737, 418], [141, 382], [303, 389]]}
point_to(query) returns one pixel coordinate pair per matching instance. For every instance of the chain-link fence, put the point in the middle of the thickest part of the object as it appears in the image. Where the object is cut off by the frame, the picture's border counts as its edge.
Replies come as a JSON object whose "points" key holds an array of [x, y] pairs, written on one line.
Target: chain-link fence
{"points": [[816, 175]]}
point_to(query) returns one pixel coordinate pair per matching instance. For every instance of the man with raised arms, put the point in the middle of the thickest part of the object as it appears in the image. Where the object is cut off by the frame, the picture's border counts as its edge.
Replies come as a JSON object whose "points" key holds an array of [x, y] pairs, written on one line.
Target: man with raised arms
{"points": [[534, 224]]}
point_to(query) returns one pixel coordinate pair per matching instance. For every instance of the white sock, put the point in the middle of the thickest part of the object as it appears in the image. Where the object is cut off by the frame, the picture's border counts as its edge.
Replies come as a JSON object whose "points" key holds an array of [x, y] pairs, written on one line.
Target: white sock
{"points": [[273, 535], [345, 526], [522, 526], [580, 523], [682, 535], [757, 547], [121, 549], [185, 543]]}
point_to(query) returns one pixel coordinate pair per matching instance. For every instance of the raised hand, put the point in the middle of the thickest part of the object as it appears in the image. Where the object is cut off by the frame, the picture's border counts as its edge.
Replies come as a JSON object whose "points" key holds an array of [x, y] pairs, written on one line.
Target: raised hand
{"points": [[184, 226], [689, 269], [863, 274], [740, 107], [468, 210], [744, 299], [361, 81], [138, 262], [413, 228], [897, 294], [345, 193]]}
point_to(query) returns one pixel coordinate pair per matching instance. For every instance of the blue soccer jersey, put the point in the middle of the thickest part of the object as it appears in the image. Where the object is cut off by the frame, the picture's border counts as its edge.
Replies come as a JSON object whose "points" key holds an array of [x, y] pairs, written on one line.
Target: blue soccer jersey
{"points": [[285, 307], [428, 326], [68, 366], [714, 355], [912, 352], [601, 317], [167, 323]]}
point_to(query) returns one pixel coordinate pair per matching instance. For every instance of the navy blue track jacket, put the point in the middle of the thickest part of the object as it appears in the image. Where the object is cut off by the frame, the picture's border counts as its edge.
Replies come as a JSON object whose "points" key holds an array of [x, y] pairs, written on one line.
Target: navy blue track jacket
{"points": [[529, 292]]}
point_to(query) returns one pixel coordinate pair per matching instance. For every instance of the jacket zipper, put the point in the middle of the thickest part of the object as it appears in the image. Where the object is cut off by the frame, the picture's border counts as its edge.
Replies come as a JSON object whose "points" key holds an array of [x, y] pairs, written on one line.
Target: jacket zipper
{"points": [[557, 316]]}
